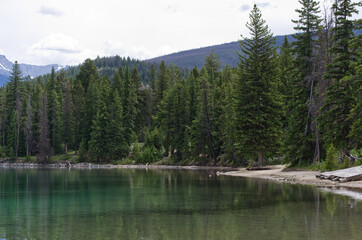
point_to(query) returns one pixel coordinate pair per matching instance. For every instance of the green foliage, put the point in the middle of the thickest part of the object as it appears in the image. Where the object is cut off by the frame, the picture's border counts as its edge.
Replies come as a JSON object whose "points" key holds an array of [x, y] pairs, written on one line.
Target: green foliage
{"points": [[257, 106], [331, 159], [136, 153], [341, 93], [166, 115], [299, 136]]}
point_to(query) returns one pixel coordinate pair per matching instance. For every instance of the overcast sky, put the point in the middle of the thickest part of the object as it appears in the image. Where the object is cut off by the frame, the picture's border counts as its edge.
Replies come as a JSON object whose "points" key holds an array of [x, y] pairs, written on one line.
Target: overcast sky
{"points": [[69, 31]]}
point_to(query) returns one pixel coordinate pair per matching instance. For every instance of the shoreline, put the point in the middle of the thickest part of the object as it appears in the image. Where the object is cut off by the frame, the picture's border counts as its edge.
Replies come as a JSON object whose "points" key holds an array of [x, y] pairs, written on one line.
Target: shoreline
{"points": [[275, 173], [85, 165], [304, 177]]}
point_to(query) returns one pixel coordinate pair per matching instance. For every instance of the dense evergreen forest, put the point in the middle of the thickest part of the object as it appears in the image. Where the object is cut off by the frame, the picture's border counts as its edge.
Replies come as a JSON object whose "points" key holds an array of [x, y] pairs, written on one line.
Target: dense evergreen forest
{"points": [[299, 105], [109, 65]]}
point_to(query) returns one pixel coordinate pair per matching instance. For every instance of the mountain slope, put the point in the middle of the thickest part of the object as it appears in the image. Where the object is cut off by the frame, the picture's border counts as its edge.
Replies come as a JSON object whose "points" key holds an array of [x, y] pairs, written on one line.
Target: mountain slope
{"points": [[27, 69], [227, 53]]}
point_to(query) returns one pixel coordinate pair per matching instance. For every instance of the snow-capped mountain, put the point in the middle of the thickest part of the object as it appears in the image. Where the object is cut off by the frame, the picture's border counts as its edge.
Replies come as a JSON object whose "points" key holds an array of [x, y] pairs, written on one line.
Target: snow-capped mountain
{"points": [[27, 69]]}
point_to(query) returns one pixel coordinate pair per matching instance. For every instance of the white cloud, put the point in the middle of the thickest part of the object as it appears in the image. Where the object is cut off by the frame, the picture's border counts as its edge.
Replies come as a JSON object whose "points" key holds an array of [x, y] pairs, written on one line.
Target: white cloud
{"points": [[112, 48], [264, 5], [164, 50], [58, 48], [50, 11], [245, 7], [57, 42], [173, 8]]}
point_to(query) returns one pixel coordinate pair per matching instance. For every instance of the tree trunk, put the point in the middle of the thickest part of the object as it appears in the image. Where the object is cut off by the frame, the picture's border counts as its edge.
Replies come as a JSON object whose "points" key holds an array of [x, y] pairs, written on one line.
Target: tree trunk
{"points": [[317, 154], [260, 159], [167, 144]]}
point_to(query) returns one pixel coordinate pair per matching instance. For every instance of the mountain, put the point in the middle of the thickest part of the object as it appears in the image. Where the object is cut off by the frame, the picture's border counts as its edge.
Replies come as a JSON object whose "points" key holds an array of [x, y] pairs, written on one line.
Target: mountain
{"points": [[27, 69], [227, 53]]}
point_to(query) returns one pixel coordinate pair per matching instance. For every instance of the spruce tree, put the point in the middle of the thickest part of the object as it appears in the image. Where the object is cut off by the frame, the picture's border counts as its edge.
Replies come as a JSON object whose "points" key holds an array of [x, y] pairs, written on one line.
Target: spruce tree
{"points": [[299, 139], [194, 92], [99, 144], [90, 109], [129, 106], [212, 64], [227, 123], [78, 105], [162, 82], [87, 71], [14, 108], [116, 143], [356, 113], [341, 92], [29, 137], [257, 107], [67, 117], [172, 118], [3, 116], [202, 127], [153, 77], [44, 147]]}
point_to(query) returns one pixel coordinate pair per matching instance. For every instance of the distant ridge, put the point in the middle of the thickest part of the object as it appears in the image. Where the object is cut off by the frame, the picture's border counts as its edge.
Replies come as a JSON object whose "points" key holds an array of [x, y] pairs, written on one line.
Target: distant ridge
{"points": [[227, 53], [26, 69]]}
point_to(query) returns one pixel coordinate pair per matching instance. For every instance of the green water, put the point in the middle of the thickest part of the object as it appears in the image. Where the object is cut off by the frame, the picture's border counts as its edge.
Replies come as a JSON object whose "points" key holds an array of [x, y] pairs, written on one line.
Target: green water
{"points": [[164, 204]]}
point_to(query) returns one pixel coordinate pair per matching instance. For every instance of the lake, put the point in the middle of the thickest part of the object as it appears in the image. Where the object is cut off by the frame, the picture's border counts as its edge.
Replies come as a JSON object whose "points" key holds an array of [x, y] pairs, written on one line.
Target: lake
{"points": [[167, 204]]}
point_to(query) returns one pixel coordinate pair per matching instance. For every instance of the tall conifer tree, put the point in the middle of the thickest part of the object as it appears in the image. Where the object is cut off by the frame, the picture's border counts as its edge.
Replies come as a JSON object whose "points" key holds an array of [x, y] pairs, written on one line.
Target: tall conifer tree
{"points": [[340, 95], [257, 107], [14, 108], [300, 140]]}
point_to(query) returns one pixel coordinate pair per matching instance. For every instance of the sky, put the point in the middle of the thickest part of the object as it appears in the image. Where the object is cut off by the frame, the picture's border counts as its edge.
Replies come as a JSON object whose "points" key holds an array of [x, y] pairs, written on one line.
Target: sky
{"points": [[67, 32]]}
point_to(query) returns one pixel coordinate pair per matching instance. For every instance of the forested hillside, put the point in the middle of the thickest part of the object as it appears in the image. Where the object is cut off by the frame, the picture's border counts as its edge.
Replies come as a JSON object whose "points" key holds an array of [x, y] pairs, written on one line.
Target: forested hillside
{"points": [[300, 104], [226, 52], [109, 65]]}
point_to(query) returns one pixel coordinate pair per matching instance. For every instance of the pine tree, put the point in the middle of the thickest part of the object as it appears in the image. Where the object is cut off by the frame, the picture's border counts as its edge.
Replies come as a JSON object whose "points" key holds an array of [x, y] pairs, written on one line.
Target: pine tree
{"points": [[172, 118], [194, 92], [340, 94], [129, 106], [117, 84], [257, 107], [90, 109], [212, 64], [162, 82], [99, 144], [67, 116], [29, 138], [202, 132], [356, 113], [78, 105], [299, 136], [152, 77], [87, 71], [3, 116], [227, 118], [115, 132], [44, 147], [14, 108], [285, 72], [140, 103]]}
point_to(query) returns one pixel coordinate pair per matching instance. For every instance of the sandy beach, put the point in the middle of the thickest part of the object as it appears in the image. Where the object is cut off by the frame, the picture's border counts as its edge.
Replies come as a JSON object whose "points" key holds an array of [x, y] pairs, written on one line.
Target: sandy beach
{"points": [[276, 173]]}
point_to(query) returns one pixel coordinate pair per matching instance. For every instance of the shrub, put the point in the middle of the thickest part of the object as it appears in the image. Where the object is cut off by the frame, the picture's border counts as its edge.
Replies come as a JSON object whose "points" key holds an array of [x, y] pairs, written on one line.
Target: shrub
{"points": [[331, 159]]}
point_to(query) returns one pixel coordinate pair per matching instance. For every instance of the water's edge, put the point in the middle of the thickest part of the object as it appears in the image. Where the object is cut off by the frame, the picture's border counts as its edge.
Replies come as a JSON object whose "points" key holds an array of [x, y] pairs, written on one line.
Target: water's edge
{"points": [[351, 189]]}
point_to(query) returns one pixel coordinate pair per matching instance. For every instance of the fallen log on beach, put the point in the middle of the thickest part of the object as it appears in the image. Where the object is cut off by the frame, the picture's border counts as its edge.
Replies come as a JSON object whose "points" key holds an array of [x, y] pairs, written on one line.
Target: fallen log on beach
{"points": [[343, 175]]}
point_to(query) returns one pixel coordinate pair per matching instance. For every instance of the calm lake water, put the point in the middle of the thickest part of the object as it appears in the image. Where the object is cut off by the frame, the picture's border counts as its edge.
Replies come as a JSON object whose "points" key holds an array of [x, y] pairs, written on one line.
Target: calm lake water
{"points": [[167, 204]]}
